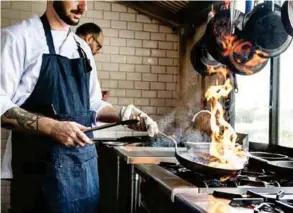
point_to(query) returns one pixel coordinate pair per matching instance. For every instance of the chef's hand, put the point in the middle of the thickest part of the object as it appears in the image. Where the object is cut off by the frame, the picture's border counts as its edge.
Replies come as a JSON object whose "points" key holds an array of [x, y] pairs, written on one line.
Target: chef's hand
{"points": [[70, 133], [145, 122]]}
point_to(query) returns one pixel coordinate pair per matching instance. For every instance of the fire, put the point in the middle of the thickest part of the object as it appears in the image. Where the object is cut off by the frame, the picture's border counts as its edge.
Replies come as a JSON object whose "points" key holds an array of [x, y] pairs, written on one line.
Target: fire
{"points": [[242, 54], [224, 179], [221, 71], [228, 44], [244, 57], [227, 4], [222, 149]]}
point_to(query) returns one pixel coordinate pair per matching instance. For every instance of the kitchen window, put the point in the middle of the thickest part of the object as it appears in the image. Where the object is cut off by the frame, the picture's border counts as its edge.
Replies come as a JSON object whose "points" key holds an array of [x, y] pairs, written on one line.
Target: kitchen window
{"points": [[252, 105], [286, 100]]}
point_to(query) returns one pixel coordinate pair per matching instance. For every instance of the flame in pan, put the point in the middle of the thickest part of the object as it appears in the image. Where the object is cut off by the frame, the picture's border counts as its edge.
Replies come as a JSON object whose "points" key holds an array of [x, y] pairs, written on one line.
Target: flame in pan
{"points": [[223, 136], [247, 59], [223, 148], [225, 154]]}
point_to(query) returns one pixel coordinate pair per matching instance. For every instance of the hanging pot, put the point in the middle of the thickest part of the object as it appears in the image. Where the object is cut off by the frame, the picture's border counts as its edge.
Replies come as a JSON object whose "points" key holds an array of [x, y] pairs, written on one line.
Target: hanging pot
{"points": [[246, 59], [201, 59], [217, 29], [264, 29], [287, 16]]}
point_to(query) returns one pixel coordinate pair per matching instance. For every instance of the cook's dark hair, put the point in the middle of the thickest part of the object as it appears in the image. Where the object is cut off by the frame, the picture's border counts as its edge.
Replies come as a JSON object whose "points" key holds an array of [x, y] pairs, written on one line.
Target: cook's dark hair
{"points": [[88, 28]]}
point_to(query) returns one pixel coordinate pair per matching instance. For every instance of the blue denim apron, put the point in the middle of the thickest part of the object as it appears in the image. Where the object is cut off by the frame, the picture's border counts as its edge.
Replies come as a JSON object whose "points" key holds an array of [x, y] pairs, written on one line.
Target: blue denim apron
{"points": [[50, 177]]}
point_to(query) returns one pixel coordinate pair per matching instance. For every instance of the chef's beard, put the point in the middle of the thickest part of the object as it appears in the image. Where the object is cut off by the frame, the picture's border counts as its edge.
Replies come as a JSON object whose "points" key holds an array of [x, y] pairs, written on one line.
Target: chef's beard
{"points": [[60, 9]]}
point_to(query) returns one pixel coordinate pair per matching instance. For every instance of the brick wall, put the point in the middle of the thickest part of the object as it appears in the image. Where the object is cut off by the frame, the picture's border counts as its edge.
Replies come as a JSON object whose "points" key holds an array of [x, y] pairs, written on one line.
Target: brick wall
{"points": [[138, 64]]}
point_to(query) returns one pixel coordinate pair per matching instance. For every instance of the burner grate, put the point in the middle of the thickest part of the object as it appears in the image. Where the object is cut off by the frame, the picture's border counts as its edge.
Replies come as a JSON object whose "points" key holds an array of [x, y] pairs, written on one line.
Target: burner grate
{"points": [[245, 178]]}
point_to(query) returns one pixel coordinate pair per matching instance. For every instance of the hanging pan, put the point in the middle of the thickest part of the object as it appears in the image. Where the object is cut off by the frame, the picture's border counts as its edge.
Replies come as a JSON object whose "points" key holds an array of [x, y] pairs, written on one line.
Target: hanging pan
{"points": [[198, 162], [265, 30], [218, 30], [201, 59], [231, 49], [287, 17], [246, 59]]}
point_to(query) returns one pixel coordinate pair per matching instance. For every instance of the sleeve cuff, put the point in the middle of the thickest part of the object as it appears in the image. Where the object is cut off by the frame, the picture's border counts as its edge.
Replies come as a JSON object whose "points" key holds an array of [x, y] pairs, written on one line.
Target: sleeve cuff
{"points": [[6, 106], [101, 106]]}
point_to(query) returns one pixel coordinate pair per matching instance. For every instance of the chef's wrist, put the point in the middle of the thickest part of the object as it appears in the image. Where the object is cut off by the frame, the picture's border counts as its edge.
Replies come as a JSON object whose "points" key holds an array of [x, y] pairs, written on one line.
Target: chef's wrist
{"points": [[108, 114], [46, 125]]}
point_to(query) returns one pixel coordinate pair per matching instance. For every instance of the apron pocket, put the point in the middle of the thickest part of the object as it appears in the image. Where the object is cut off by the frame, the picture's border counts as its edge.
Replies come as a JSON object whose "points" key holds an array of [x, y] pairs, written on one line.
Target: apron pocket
{"points": [[75, 182]]}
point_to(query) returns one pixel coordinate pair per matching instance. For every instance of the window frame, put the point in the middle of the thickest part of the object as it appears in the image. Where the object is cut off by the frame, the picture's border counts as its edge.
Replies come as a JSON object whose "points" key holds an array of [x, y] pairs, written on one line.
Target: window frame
{"points": [[274, 109]]}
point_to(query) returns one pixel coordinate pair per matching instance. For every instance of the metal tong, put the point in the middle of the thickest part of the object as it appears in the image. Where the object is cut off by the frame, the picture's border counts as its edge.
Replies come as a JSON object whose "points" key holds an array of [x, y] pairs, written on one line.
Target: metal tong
{"points": [[126, 122]]}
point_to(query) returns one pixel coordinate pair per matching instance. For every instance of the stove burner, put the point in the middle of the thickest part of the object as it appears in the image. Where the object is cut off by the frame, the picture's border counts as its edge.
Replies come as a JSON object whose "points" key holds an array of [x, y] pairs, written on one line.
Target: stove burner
{"points": [[244, 178], [261, 202], [265, 207]]}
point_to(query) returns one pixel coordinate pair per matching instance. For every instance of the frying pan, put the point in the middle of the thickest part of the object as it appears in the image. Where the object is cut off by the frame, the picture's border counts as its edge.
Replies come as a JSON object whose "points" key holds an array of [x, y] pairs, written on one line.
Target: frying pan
{"points": [[265, 30], [198, 162], [287, 16], [218, 27], [200, 58], [221, 25], [240, 63], [268, 156], [260, 159], [281, 168]]}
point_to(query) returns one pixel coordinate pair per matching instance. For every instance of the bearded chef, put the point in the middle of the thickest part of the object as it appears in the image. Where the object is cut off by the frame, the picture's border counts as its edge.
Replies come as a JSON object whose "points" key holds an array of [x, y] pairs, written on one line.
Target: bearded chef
{"points": [[49, 91]]}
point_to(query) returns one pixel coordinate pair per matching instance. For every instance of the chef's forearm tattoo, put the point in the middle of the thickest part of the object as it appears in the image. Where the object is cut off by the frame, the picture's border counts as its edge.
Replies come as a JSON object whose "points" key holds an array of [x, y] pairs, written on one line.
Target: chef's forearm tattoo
{"points": [[26, 120]]}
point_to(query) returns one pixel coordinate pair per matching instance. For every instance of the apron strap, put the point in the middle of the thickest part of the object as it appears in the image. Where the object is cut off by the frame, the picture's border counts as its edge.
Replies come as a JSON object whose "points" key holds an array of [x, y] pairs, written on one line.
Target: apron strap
{"points": [[48, 34], [82, 54], [51, 47]]}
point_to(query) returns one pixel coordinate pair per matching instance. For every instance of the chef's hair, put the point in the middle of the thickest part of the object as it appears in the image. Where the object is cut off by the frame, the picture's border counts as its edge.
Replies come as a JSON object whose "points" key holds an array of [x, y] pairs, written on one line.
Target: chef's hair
{"points": [[88, 28]]}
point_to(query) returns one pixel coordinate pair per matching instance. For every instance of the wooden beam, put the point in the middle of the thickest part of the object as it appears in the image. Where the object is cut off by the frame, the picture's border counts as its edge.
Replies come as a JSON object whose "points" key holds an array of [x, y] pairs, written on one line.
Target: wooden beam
{"points": [[154, 11]]}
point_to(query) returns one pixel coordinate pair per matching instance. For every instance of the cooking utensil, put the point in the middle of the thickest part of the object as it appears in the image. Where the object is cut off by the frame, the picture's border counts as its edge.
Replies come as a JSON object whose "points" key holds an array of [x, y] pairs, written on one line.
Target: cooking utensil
{"points": [[125, 139], [281, 168], [197, 162], [243, 59], [268, 156], [243, 54], [221, 44], [287, 16], [201, 59], [218, 28], [126, 122], [265, 30]]}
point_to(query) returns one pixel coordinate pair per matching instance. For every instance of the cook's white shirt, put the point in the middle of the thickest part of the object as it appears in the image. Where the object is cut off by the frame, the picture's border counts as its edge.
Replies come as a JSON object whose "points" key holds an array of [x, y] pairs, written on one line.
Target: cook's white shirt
{"points": [[22, 47]]}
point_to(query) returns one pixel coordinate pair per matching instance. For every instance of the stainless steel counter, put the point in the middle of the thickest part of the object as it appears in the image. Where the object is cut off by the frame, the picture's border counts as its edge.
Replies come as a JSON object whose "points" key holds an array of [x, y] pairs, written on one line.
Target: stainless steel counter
{"points": [[146, 155]]}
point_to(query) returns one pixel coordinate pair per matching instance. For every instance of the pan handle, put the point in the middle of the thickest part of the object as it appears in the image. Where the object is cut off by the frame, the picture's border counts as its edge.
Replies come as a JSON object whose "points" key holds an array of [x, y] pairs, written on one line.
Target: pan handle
{"points": [[172, 139], [201, 111]]}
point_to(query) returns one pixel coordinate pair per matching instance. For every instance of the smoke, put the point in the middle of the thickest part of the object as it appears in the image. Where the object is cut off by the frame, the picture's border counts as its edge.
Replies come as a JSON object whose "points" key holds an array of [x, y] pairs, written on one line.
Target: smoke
{"points": [[178, 124]]}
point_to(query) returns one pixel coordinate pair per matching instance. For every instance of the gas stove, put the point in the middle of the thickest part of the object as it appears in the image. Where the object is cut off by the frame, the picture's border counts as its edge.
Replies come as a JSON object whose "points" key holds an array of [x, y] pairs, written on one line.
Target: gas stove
{"points": [[259, 190], [245, 179], [169, 187]]}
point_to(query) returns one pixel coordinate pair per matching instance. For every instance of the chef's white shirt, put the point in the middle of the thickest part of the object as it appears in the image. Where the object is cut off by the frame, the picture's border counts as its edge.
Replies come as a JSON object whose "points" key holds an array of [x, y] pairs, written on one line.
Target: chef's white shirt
{"points": [[22, 47]]}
